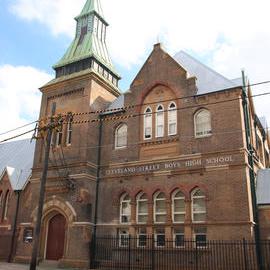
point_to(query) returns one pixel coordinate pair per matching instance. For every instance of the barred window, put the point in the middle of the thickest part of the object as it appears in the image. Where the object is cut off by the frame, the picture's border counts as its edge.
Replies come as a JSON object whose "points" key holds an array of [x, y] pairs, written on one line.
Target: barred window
{"points": [[123, 238], [172, 119], [179, 237], [125, 209], [148, 124], [202, 120], [160, 238], [160, 211], [160, 121], [121, 136], [142, 237], [200, 235], [178, 207], [142, 208], [198, 206]]}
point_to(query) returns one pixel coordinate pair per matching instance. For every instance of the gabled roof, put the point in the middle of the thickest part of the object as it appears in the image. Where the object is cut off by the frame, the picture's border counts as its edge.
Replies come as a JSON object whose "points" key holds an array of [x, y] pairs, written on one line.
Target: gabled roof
{"points": [[16, 159], [208, 80], [263, 187]]}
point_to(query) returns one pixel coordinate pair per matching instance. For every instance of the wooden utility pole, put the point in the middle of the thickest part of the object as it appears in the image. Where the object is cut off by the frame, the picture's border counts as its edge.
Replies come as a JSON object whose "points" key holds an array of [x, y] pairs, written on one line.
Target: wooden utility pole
{"points": [[42, 191]]}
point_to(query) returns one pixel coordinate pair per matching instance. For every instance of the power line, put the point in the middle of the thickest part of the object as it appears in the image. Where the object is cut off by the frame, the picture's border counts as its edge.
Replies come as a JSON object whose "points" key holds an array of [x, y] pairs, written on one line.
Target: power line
{"points": [[169, 139], [14, 137], [151, 103], [8, 131]]}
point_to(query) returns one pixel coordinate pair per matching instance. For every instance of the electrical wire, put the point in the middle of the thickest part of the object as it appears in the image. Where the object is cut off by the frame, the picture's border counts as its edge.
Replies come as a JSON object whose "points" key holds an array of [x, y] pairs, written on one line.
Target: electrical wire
{"points": [[26, 125], [19, 135], [151, 103]]}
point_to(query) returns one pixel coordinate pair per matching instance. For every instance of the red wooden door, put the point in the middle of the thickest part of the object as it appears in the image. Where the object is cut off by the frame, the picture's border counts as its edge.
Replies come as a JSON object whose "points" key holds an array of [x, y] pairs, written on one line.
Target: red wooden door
{"points": [[56, 238]]}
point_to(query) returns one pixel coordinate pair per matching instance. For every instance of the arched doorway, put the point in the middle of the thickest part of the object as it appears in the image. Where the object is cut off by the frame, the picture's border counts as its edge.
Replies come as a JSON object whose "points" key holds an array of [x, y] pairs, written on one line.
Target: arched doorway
{"points": [[56, 238]]}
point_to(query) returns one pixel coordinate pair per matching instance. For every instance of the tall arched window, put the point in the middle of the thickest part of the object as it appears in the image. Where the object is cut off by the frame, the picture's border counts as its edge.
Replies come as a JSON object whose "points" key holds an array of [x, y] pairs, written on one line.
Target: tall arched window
{"points": [[6, 205], [202, 122], [148, 124], [69, 131], [160, 210], [178, 207], [142, 208], [198, 206], [159, 121], [121, 136], [125, 209], [172, 119]]}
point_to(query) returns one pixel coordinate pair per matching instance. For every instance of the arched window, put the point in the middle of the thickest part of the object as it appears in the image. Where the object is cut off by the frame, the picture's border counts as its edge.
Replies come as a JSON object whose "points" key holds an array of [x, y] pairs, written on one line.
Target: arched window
{"points": [[148, 124], [198, 206], [125, 209], [121, 136], [160, 210], [142, 208], [6, 205], [202, 121], [178, 207], [172, 119], [1, 200], [69, 131], [160, 121]]}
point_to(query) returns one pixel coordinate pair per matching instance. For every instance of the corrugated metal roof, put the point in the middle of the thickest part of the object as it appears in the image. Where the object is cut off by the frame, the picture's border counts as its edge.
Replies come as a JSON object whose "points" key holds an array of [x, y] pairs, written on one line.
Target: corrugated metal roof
{"points": [[263, 187], [16, 158], [91, 6], [208, 80], [116, 105]]}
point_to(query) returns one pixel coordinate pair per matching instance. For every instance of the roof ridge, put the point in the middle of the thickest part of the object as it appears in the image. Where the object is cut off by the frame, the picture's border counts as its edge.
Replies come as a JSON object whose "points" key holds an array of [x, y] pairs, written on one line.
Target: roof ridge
{"points": [[207, 67]]}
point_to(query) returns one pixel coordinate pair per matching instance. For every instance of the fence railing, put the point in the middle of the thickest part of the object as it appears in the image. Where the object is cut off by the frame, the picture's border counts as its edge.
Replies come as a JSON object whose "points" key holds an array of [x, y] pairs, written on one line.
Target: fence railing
{"points": [[149, 253]]}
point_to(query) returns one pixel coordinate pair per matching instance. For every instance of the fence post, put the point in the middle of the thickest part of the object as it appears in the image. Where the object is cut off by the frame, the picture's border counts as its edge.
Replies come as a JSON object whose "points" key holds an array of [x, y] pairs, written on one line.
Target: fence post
{"points": [[196, 255], [129, 252], [245, 253], [153, 253]]}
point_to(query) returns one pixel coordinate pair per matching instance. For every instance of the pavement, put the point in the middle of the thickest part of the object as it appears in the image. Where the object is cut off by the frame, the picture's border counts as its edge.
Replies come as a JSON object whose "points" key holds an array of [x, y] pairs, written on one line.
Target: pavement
{"points": [[11, 266]]}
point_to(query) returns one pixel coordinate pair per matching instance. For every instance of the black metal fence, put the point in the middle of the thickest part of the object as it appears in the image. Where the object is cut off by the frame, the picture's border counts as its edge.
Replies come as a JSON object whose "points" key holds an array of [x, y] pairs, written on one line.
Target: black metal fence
{"points": [[131, 253]]}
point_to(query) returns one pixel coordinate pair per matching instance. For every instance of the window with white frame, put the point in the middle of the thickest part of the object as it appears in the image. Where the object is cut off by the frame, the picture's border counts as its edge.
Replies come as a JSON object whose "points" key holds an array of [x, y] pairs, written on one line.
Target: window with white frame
{"points": [[172, 119], [202, 122], [160, 238], [200, 237], [198, 206], [159, 121], [160, 210], [69, 132], [123, 238], [59, 136], [125, 209], [142, 237], [148, 124], [6, 205], [179, 237], [178, 207], [121, 136], [142, 208]]}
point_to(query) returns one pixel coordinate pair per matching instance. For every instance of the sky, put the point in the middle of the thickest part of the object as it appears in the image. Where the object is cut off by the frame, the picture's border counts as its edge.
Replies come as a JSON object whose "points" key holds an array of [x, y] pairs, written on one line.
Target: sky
{"points": [[226, 35]]}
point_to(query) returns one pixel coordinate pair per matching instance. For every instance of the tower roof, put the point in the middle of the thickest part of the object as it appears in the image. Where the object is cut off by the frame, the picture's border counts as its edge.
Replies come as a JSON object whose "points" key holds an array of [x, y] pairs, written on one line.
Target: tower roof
{"points": [[88, 50], [92, 6]]}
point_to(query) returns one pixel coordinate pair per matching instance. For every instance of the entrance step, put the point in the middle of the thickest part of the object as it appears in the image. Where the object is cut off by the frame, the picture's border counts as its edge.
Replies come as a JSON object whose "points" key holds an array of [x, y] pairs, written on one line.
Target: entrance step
{"points": [[49, 264]]}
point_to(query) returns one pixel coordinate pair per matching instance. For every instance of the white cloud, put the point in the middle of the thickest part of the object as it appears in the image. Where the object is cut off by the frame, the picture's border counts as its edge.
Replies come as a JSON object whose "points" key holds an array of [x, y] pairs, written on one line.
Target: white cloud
{"points": [[19, 96], [235, 33]]}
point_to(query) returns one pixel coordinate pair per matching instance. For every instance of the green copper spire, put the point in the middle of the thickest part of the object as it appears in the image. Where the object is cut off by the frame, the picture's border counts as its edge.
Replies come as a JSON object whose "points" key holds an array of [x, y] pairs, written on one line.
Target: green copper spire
{"points": [[91, 6], [89, 50]]}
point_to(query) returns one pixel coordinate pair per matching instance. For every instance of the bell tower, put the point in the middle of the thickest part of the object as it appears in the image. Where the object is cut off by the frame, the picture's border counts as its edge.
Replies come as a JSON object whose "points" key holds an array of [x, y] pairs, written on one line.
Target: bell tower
{"points": [[88, 50]]}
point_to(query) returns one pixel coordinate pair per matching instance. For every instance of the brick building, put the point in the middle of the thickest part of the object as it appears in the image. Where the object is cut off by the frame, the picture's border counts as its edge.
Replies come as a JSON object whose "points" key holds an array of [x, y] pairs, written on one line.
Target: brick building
{"points": [[169, 157]]}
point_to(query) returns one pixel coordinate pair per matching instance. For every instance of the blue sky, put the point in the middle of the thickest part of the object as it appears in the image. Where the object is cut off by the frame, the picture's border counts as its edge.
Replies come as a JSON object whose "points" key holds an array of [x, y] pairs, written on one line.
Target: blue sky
{"points": [[36, 33]]}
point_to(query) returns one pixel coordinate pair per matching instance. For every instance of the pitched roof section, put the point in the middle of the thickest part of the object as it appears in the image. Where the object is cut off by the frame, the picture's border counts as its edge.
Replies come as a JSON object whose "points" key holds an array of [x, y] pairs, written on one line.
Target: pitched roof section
{"points": [[16, 158], [263, 187], [208, 80], [92, 6]]}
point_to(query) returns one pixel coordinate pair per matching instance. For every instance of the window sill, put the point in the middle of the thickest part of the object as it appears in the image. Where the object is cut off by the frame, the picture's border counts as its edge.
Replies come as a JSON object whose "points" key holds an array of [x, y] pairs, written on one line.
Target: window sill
{"points": [[203, 136]]}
